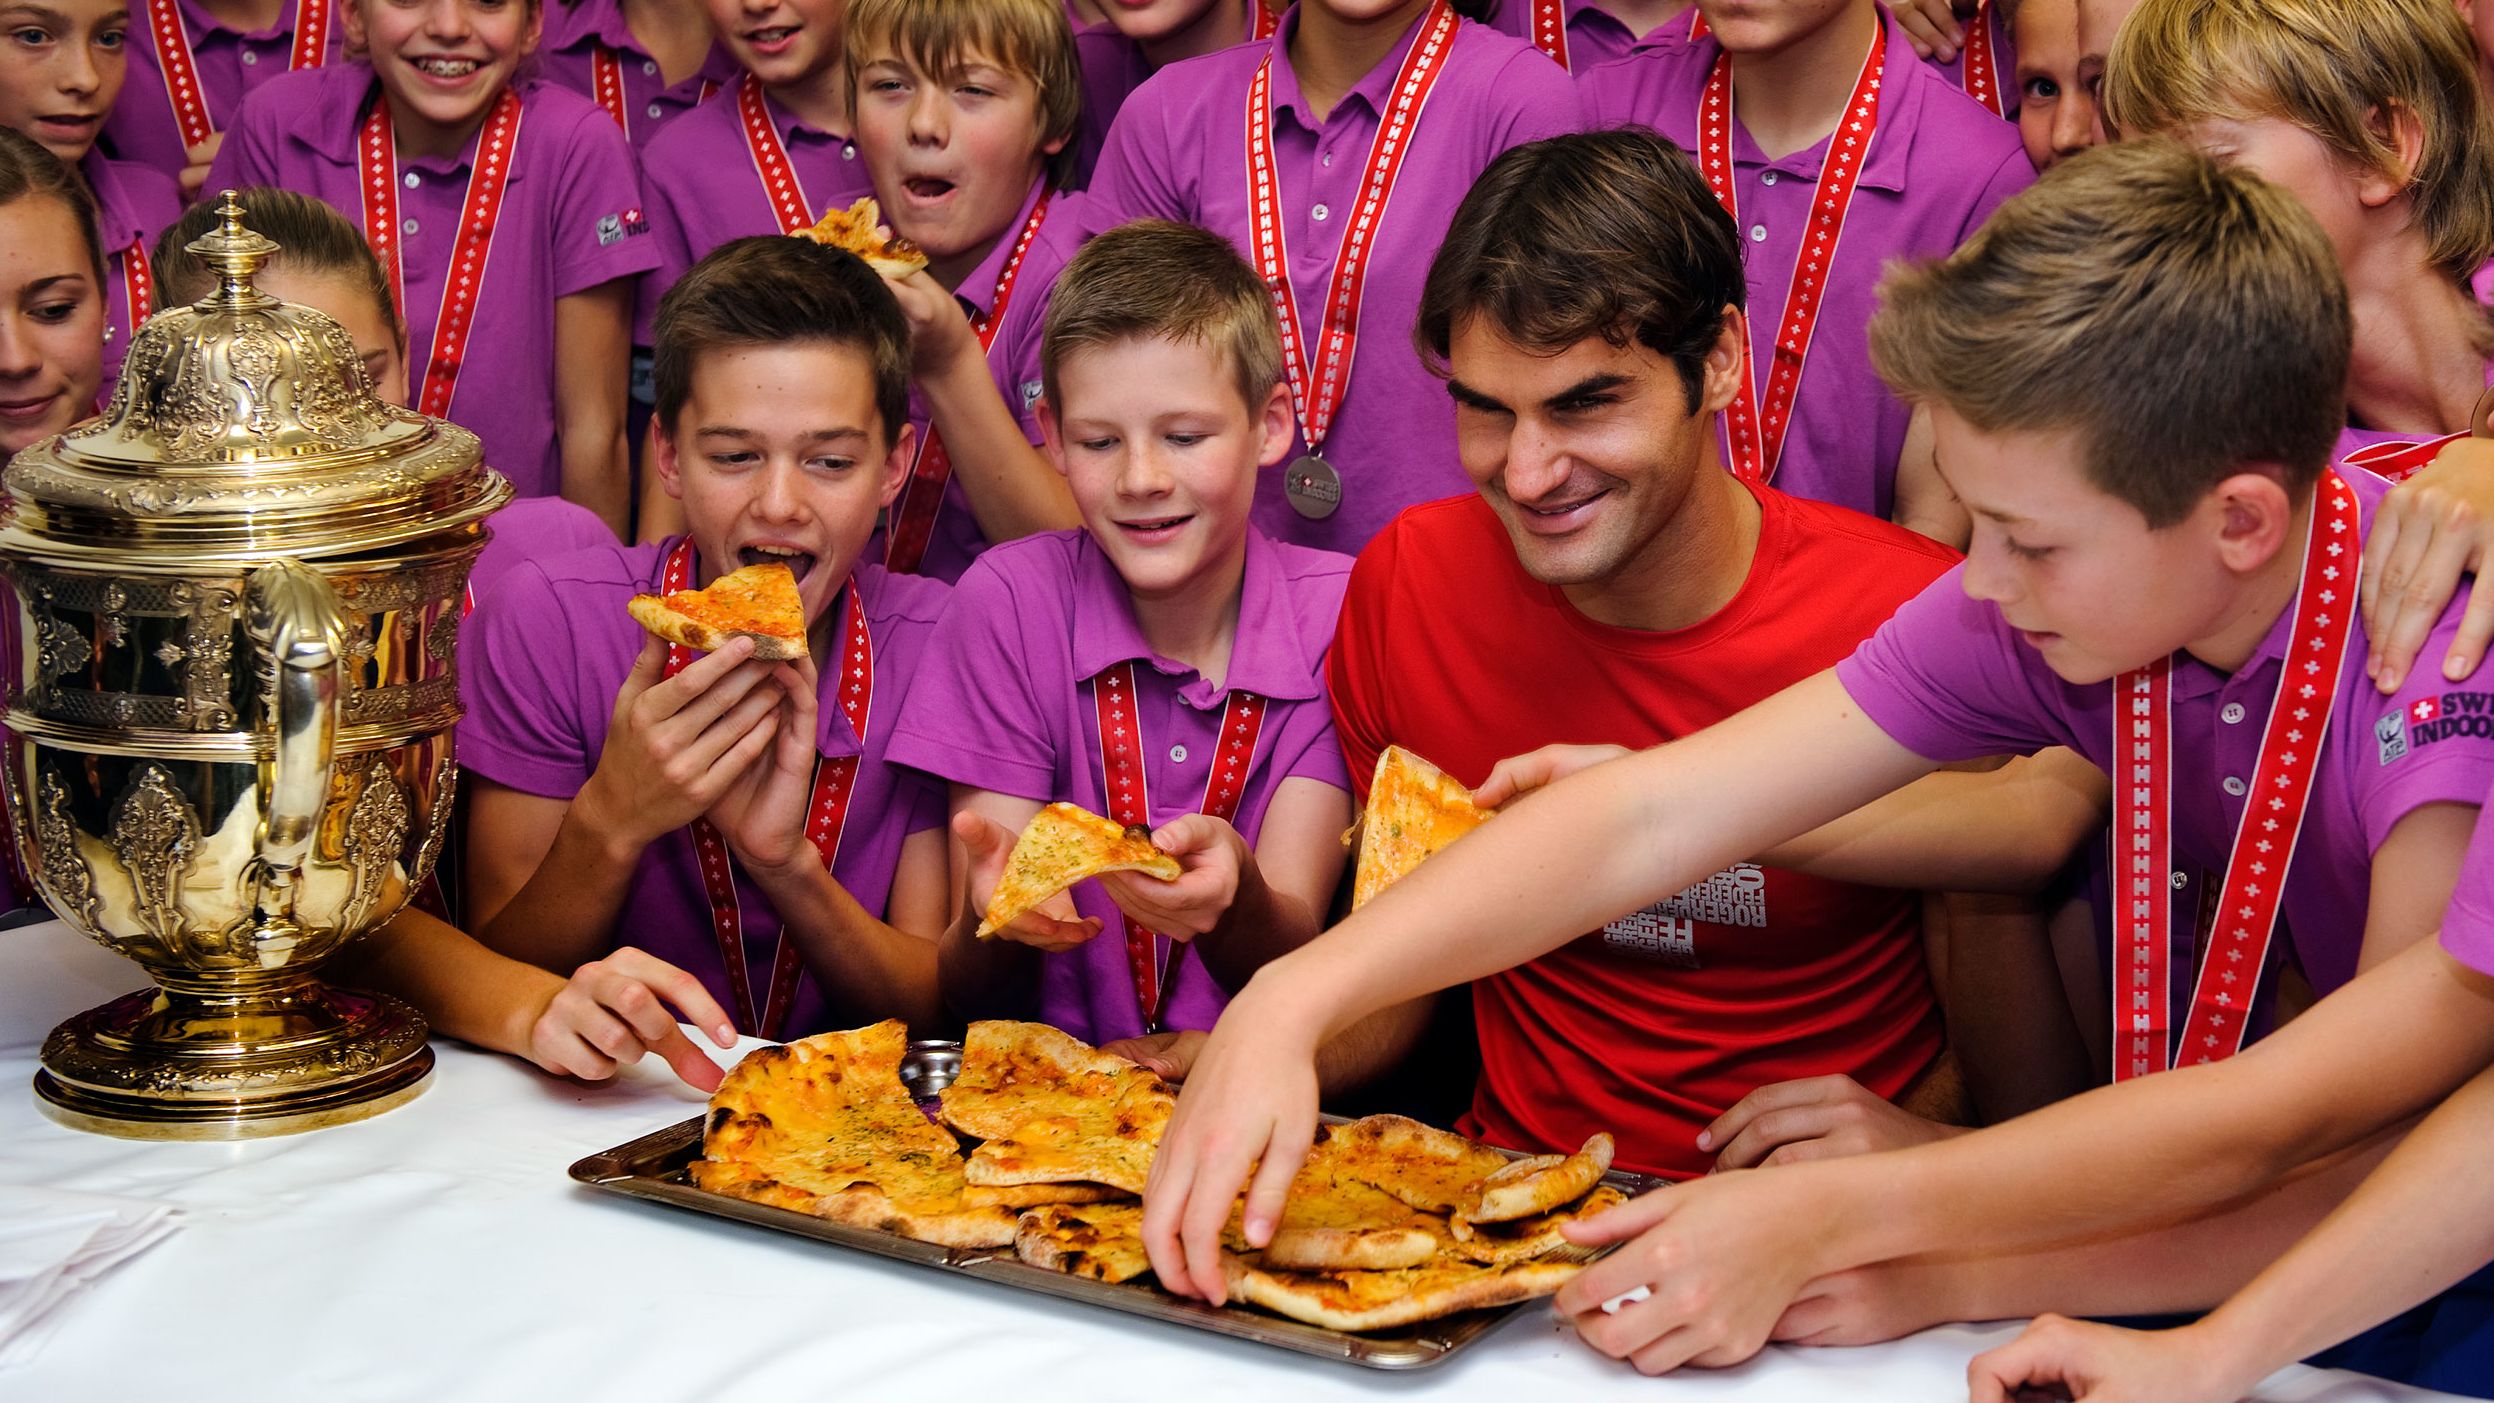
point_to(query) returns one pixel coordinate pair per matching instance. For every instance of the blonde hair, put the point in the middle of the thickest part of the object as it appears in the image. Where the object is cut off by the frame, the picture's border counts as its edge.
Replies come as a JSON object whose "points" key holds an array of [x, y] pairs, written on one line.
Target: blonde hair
{"points": [[2334, 68], [1029, 37], [1156, 278], [2184, 318]]}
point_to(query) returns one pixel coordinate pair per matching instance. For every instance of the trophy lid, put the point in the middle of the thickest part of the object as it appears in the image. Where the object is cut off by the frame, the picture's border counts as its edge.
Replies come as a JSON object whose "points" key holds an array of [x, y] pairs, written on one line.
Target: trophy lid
{"points": [[243, 425]]}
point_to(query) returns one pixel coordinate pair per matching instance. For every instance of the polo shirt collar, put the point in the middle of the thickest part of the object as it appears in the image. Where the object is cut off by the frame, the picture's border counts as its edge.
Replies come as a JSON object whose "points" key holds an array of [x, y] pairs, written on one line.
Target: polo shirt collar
{"points": [[1374, 89], [1269, 656]]}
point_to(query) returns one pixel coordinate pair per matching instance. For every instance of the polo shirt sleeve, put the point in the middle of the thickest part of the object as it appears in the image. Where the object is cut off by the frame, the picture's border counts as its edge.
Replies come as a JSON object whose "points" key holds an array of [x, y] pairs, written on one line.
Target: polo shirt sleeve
{"points": [[2010, 175], [1139, 170], [599, 230], [2468, 923], [1355, 679], [2431, 742], [1946, 679], [1535, 99], [519, 677], [972, 714]]}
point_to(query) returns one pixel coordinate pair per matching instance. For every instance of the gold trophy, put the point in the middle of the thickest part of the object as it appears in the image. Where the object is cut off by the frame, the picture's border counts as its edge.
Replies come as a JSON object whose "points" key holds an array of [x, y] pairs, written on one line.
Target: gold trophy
{"points": [[237, 605]]}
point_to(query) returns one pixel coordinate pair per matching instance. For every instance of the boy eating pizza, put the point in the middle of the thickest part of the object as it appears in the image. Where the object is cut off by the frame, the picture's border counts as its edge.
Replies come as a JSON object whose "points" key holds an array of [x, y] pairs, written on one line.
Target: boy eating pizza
{"points": [[733, 816], [2161, 578], [1160, 667]]}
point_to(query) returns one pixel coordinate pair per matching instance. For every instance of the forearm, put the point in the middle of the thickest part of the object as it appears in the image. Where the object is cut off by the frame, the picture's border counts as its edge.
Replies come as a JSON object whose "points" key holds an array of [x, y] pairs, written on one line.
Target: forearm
{"points": [[593, 372], [2007, 830], [2419, 1223], [1371, 1047], [460, 986], [564, 915], [1261, 925], [2001, 997], [1012, 488], [597, 471], [865, 965]]}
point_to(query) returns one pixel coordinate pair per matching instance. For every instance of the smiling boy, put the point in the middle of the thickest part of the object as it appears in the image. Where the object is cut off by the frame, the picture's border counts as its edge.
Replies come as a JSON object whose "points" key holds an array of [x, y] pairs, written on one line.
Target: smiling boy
{"points": [[2147, 553], [1161, 666], [736, 818]]}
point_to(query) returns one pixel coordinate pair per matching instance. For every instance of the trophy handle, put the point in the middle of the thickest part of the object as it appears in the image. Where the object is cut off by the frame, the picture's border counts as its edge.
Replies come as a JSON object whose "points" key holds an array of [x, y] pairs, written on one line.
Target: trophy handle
{"points": [[292, 616]]}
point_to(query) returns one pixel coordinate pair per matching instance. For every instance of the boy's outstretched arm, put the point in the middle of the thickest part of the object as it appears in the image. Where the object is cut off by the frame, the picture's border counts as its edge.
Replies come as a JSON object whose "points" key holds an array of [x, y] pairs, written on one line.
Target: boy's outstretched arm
{"points": [[1610, 840]]}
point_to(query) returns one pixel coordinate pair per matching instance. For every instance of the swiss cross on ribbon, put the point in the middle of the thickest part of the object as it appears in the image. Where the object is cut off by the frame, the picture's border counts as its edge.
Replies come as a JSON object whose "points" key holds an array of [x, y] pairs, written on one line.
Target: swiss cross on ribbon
{"points": [[1318, 396], [1983, 60], [770, 159], [1550, 29], [489, 173], [2285, 770], [827, 818], [606, 81], [1149, 954], [1755, 450], [179, 62]]}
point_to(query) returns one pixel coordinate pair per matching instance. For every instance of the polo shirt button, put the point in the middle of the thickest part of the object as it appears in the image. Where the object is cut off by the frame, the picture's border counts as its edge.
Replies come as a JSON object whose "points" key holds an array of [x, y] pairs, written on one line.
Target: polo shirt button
{"points": [[653, 111], [648, 66], [2181, 879], [2232, 715], [1766, 178], [1177, 755], [251, 57], [1319, 213], [848, 151], [414, 179], [2233, 786], [1757, 233], [409, 226]]}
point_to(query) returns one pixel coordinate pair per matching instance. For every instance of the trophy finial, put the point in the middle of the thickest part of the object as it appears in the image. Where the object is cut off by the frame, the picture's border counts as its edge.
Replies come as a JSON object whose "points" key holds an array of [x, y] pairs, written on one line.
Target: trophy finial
{"points": [[234, 252]]}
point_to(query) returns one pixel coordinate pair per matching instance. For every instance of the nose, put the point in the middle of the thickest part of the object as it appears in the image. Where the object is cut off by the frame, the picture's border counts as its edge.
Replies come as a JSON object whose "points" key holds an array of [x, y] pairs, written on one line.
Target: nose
{"points": [[1537, 461], [778, 498], [1141, 473], [446, 19], [930, 116], [79, 74], [1988, 577], [20, 356], [2075, 123]]}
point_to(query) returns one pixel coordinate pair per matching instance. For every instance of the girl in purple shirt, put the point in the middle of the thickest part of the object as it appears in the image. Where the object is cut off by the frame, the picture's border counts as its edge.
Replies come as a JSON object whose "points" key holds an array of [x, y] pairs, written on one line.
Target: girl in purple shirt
{"points": [[508, 213]]}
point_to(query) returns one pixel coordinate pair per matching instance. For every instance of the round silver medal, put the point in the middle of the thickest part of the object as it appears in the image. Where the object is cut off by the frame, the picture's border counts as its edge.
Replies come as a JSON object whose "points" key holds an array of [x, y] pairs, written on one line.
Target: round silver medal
{"points": [[1313, 487]]}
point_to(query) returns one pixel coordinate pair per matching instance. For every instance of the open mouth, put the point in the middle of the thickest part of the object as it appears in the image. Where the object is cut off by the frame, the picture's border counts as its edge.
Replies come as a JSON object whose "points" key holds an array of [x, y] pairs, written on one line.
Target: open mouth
{"points": [[1554, 515], [799, 562], [450, 69], [1155, 530], [927, 187], [773, 39]]}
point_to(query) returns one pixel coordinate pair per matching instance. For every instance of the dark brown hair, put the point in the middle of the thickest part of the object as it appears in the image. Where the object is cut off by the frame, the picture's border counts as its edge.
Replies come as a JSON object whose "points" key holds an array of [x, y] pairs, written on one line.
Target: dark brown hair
{"points": [[2186, 319], [311, 237], [1155, 278], [1611, 234], [26, 168], [774, 290]]}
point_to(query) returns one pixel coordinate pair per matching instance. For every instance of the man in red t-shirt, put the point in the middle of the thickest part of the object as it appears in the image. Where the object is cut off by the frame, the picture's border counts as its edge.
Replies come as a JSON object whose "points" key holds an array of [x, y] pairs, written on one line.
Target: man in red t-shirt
{"points": [[1611, 582]]}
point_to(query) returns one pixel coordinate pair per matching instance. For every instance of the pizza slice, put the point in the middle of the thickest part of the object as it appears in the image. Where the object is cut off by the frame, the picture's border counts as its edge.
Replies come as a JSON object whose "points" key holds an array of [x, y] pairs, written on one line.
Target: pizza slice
{"points": [[1381, 1300], [1539, 1184], [759, 602], [1333, 1221], [860, 230], [1062, 845], [1414, 810], [1051, 1109], [1529, 1237], [1103, 1242], [1433, 1170]]}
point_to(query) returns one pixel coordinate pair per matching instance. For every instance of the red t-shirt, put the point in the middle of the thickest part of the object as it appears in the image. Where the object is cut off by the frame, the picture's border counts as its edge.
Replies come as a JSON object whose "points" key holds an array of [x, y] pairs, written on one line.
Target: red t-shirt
{"points": [[1655, 1025]]}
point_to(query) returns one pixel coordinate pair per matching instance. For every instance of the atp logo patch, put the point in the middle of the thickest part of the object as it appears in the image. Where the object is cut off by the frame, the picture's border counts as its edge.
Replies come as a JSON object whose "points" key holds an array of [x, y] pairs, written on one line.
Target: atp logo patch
{"points": [[615, 228]]}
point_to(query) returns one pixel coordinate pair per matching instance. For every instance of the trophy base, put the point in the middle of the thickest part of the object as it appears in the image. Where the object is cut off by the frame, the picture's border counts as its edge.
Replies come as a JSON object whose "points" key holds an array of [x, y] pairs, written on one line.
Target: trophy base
{"points": [[165, 1065]]}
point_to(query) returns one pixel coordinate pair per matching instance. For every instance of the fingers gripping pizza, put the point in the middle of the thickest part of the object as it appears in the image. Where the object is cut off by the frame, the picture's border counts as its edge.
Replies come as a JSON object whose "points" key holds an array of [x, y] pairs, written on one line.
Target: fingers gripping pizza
{"points": [[759, 602], [1414, 809], [860, 230], [1063, 845]]}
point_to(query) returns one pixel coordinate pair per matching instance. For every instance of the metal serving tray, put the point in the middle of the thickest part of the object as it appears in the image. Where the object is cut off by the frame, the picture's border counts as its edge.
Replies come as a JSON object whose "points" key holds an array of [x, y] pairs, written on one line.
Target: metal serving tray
{"points": [[654, 1168]]}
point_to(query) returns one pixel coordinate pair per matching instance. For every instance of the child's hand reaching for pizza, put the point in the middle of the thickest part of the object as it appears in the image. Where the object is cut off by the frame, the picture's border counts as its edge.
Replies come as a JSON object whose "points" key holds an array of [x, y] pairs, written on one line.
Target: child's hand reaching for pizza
{"points": [[1519, 775], [1216, 861], [615, 1009], [1051, 925], [1168, 1056]]}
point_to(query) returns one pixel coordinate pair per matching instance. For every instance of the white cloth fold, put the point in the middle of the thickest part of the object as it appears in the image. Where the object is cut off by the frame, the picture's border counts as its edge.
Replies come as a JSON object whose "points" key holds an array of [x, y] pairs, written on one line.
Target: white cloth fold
{"points": [[55, 1241]]}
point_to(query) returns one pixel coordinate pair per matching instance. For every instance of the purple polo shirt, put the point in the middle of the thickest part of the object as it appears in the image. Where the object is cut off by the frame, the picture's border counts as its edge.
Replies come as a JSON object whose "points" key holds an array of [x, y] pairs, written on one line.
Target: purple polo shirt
{"points": [[1938, 167], [1179, 151], [2004, 58], [1111, 68], [232, 63], [570, 221], [133, 204], [1595, 36], [577, 29], [1004, 703], [1012, 358], [704, 188], [1950, 680], [533, 528], [2468, 925], [540, 663]]}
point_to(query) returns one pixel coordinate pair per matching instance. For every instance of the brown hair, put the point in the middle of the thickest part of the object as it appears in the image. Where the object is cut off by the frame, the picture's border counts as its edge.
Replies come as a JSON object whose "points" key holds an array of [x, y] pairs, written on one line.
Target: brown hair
{"points": [[772, 291], [1155, 278], [1611, 234], [2186, 319], [2333, 68], [1030, 37], [27, 168], [311, 237]]}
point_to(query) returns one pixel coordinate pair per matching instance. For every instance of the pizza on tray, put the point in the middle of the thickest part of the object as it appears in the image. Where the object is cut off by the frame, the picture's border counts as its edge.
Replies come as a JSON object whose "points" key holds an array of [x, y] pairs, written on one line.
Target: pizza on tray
{"points": [[1064, 844], [1414, 810], [759, 602], [860, 230]]}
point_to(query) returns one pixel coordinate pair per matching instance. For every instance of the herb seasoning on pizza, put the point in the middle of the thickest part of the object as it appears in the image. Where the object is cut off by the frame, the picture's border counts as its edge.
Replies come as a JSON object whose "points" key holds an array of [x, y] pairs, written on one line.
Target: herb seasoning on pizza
{"points": [[1414, 809], [759, 602], [1062, 845]]}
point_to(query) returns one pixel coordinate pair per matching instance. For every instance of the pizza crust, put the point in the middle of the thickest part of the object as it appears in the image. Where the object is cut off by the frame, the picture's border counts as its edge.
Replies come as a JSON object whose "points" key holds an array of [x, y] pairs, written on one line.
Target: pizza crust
{"points": [[1539, 1184], [1527, 1238], [1433, 1170], [1381, 1300], [1051, 1109], [1064, 844], [860, 230], [1101, 1243]]}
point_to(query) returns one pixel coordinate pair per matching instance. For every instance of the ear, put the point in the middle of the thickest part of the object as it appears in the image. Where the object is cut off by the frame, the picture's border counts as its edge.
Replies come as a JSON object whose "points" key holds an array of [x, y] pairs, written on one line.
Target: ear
{"points": [[358, 38], [1727, 362], [2254, 517], [1052, 435], [663, 454], [1279, 422], [536, 27], [897, 462], [2403, 132]]}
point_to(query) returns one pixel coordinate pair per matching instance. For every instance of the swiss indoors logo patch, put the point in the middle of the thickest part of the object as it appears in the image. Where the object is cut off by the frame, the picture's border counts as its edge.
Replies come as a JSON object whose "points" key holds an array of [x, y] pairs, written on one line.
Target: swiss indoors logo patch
{"points": [[2430, 720]]}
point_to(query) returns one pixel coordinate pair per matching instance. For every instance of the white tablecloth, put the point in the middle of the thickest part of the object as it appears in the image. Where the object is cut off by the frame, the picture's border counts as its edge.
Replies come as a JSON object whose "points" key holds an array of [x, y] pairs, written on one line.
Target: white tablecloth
{"points": [[438, 1252]]}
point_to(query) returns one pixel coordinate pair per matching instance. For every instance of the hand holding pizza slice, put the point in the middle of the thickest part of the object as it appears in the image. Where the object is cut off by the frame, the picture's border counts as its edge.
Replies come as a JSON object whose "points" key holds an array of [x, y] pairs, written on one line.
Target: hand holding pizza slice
{"points": [[1063, 844]]}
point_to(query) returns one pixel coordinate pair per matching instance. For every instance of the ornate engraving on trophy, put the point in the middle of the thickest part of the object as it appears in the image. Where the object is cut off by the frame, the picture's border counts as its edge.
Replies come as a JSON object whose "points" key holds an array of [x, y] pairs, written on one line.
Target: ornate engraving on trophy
{"points": [[154, 834], [58, 864], [376, 832]]}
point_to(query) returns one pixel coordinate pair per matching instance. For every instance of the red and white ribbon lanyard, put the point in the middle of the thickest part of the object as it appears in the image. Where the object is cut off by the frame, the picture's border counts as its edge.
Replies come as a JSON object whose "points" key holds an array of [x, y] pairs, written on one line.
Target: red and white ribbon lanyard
{"points": [[827, 814], [138, 283], [1698, 28], [1262, 21], [1757, 429], [2264, 841], [606, 81], [931, 468], [180, 63], [1982, 61], [1550, 29], [1319, 380], [770, 160], [2400, 459], [1123, 782], [489, 172]]}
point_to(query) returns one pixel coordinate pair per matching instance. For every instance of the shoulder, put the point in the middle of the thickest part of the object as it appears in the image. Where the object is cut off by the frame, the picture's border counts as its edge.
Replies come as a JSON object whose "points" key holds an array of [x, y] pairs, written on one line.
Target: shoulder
{"points": [[1313, 579], [314, 103], [1956, 136], [1193, 86], [669, 154], [916, 599], [1028, 577], [1489, 51], [1452, 533], [574, 582], [554, 113]]}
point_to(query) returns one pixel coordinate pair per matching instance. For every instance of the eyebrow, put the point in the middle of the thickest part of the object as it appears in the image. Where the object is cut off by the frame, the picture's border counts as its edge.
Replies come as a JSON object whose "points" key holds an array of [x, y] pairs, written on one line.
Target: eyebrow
{"points": [[730, 431], [1591, 385], [40, 285]]}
